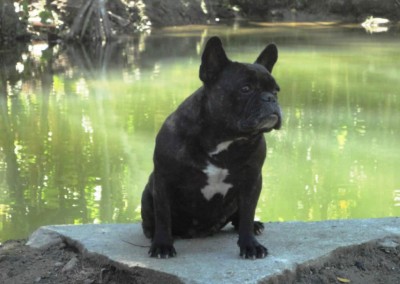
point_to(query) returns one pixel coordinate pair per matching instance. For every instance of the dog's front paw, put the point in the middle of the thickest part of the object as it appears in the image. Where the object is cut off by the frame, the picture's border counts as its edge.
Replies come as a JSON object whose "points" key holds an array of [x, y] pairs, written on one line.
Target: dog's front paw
{"points": [[162, 250], [251, 248]]}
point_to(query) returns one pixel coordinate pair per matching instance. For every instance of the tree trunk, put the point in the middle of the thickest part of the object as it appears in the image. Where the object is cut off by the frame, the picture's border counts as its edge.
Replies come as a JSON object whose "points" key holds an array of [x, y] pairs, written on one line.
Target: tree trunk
{"points": [[92, 22], [9, 22]]}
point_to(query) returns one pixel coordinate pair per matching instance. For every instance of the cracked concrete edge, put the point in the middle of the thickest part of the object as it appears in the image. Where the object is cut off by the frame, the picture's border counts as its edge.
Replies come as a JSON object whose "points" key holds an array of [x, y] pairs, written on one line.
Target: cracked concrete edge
{"points": [[151, 275], [45, 237], [389, 241]]}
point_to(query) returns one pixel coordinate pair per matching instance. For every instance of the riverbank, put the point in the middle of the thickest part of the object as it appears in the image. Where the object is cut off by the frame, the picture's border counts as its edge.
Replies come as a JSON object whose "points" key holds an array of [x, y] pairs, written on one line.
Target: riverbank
{"points": [[126, 18], [317, 10], [172, 13]]}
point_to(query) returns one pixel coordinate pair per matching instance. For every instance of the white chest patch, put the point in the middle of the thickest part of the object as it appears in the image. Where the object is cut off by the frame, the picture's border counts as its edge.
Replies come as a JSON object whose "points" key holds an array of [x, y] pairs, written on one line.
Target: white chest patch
{"points": [[224, 146], [215, 180], [221, 147]]}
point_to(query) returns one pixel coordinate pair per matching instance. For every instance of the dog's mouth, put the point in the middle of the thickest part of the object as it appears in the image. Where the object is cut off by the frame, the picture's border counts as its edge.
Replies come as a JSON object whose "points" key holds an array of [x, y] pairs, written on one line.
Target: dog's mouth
{"points": [[272, 121], [264, 124]]}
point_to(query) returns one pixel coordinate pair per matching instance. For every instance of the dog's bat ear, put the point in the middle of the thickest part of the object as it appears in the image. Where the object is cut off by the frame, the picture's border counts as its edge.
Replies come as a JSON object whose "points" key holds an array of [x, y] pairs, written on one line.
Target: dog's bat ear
{"points": [[268, 57], [213, 60]]}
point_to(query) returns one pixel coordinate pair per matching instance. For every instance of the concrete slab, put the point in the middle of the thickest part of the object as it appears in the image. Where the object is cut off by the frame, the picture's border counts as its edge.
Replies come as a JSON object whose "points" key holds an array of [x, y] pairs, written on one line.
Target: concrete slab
{"points": [[216, 259]]}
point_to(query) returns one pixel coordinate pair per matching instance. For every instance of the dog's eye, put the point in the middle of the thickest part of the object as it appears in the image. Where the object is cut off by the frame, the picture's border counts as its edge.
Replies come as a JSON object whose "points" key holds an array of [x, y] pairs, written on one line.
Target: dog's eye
{"points": [[245, 89]]}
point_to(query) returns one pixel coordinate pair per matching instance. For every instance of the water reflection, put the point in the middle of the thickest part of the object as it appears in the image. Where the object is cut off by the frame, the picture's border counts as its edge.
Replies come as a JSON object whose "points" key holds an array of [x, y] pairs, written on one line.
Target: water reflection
{"points": [[77, 124]]}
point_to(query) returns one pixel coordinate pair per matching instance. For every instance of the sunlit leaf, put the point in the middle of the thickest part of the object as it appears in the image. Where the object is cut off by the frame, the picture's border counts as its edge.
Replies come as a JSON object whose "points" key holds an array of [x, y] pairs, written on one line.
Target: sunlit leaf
{"points": [[343, 280]]}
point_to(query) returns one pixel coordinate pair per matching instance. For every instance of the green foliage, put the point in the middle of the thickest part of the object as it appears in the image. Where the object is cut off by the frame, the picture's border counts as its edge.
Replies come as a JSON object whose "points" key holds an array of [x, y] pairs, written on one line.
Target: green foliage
{"points": [[45, 16], [24, 14]]}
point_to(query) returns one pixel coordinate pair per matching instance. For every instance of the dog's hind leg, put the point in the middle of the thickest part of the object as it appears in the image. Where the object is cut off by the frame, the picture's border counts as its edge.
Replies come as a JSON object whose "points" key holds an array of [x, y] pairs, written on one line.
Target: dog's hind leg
{"points": [[147, 211]]}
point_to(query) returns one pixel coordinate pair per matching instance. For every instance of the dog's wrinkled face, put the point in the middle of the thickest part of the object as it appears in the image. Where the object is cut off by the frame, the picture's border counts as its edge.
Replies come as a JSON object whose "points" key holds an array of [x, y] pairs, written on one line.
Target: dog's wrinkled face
{"points": [[242, 97], [251, 97]]}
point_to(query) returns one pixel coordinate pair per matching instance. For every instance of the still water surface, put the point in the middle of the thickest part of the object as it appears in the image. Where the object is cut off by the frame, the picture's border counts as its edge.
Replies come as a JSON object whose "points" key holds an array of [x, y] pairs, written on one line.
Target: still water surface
{"points": [[77, 125]]}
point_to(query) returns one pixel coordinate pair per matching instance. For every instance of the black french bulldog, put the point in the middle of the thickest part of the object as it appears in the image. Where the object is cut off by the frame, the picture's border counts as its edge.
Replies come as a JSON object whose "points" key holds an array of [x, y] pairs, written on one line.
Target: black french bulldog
{"points": [[209, 154]]}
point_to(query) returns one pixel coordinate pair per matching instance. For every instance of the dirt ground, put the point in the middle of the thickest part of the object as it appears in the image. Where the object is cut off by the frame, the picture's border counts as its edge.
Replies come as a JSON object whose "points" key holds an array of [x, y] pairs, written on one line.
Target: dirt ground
{"points": [[60, 264], [373, 262], [370, 263]]}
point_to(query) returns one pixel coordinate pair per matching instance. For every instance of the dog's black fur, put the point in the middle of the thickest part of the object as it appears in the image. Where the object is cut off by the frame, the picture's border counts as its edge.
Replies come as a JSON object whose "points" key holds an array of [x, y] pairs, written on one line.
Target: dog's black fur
{"points": [[209, 154]]}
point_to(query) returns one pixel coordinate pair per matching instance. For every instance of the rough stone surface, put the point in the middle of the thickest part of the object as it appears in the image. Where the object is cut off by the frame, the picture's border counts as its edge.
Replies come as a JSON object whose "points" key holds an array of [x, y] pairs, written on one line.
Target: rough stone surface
{"points": [[44, 238], [70, 265], [215, 259]]}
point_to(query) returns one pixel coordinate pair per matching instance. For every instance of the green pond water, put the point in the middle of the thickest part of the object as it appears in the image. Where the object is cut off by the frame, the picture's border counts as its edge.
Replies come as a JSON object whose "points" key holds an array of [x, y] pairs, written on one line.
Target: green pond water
{"points": [[77, 124]]}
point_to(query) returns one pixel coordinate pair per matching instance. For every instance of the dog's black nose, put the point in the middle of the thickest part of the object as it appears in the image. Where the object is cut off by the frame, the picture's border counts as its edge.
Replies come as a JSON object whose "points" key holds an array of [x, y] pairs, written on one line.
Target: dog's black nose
{"points": [[268, 97]]}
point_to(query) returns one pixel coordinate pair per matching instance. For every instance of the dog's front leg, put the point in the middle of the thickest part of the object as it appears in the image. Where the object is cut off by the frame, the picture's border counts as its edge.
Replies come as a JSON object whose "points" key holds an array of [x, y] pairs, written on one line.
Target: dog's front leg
{"points": [[162, 243], [249, 246]]}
